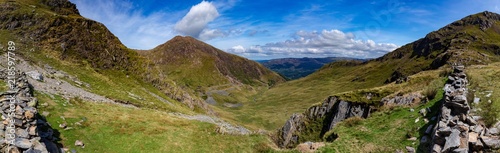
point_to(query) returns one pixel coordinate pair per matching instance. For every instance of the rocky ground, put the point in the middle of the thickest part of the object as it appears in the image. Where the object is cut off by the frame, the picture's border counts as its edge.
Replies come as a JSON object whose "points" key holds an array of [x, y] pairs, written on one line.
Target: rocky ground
{"points": [[223, 127]]}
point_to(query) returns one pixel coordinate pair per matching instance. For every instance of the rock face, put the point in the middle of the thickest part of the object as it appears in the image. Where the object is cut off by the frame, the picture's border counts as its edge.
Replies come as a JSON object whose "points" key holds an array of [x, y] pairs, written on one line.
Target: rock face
{"points": [[320, 118], [31, 134], [456, 130], [402, 100]]}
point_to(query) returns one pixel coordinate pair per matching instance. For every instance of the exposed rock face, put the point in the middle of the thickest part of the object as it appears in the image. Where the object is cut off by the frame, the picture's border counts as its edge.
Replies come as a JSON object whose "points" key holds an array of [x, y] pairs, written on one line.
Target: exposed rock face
{"points": [[456, 130], [32, 134], [402, 100], [321, 118], [61, 6]]}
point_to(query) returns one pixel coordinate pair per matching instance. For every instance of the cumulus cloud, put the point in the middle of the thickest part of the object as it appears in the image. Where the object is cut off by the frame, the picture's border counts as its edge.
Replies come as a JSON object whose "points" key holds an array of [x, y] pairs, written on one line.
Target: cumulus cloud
{"points": [[128, 22], [196, 20], [324, 43]]}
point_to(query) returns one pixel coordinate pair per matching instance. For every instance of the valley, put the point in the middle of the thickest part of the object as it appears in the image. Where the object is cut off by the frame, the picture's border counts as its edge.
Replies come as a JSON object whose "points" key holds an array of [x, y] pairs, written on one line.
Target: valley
{"points": [[96, 95]]}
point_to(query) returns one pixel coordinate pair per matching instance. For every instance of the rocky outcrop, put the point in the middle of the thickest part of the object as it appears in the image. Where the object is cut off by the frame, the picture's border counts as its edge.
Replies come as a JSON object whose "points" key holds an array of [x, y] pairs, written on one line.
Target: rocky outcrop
{"points": [[457, 130], [31, 133], [317, 120], [403, 99]]}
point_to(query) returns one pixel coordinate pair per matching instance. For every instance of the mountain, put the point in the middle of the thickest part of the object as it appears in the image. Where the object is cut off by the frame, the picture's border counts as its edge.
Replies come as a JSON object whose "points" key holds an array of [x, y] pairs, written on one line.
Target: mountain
{"points": [[80, 86], [197, 64], [294, 68], [55, 28], [471, 40], [392, 78]]}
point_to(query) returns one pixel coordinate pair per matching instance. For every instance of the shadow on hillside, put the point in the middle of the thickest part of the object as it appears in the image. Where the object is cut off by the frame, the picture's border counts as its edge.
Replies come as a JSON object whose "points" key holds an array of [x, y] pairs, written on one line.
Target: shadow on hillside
{"points": [[46, 128], [435, 109]]}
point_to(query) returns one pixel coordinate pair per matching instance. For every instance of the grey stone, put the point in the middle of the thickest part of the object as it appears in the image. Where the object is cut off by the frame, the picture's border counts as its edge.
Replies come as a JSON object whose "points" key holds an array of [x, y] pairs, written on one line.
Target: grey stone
{"points": [[23, 143], [479, 129], [444, 131], [422, 112], [461, 150], [35, 75], [31, 150], [471, 121], [493, 131], [436, 148], [44, 113], [429, 129], [491, 142], [453, 141], [410, 149], [211, 101], [477, 100], [22, 133]]}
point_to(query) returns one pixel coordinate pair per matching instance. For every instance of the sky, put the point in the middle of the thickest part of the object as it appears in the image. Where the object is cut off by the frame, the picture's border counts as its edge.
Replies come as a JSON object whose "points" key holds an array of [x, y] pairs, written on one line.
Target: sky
{"points": [[264, 29]]}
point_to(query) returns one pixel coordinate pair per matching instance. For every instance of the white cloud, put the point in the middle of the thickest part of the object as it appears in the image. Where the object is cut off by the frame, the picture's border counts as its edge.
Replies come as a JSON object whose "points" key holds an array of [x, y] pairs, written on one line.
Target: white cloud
{"points": [[196, 20], [128, 23], [208, 34], [324, 43]]}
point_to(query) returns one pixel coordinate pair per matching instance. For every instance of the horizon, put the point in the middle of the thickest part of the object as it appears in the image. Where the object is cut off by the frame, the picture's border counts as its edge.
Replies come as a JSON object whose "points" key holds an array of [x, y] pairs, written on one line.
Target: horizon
{"points": [[286, 29]]}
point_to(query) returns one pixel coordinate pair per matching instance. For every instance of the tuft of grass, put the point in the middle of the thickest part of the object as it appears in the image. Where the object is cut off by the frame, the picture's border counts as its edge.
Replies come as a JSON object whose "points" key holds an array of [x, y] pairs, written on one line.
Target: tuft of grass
{"points": [[353, 121]]}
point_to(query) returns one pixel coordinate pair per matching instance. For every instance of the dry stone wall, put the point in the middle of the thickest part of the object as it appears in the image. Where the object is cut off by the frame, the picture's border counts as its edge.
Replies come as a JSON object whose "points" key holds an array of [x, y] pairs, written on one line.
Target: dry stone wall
{"points": [[31, 133], [457, 130]]}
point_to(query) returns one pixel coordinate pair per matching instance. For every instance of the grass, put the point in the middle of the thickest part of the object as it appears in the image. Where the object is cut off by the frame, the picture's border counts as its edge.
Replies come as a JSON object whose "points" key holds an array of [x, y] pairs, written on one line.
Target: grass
{"points": [[111, 128], [113, 84], [484, 84], [398, 124], [269, 109]]}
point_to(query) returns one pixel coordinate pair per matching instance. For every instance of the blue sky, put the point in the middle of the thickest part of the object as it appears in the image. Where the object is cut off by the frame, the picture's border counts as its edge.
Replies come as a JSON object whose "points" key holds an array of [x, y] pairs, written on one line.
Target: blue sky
{"points": [[263, 29]]}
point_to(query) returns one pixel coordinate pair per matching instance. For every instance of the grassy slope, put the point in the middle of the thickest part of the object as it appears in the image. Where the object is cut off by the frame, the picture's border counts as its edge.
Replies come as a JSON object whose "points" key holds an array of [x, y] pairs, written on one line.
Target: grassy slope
{"points": [[482, 80], [111, 128], [384, 131], [272, 107], [195, 64], [458, 42]]}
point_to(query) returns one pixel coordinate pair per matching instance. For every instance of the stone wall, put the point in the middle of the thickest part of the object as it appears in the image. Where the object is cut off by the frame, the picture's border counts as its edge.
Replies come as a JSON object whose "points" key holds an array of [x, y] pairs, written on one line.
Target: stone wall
{"points": [[457, 130], [32, 134]]}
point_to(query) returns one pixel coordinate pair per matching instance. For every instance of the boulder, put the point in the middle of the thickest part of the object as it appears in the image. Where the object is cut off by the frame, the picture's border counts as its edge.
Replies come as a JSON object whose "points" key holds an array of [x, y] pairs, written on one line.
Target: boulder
{"points": [[79, 143], [35, 75]]}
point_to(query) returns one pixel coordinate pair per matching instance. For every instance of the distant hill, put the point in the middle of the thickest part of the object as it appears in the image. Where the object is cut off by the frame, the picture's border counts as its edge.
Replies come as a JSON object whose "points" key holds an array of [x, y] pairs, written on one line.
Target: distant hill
{"points": [[195, 64], [294, 68]]}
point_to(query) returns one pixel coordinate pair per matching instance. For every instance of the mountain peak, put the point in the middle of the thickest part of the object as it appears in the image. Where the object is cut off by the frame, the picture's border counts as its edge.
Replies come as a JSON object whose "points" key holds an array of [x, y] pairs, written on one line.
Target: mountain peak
{"points": [[64, 7], [484, 19]]}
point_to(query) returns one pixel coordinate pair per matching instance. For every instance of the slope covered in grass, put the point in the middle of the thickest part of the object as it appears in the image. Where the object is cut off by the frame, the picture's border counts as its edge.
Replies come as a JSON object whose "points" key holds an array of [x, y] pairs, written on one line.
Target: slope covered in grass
{"points": [[386, 130], [467, 41], [116, 129]]}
